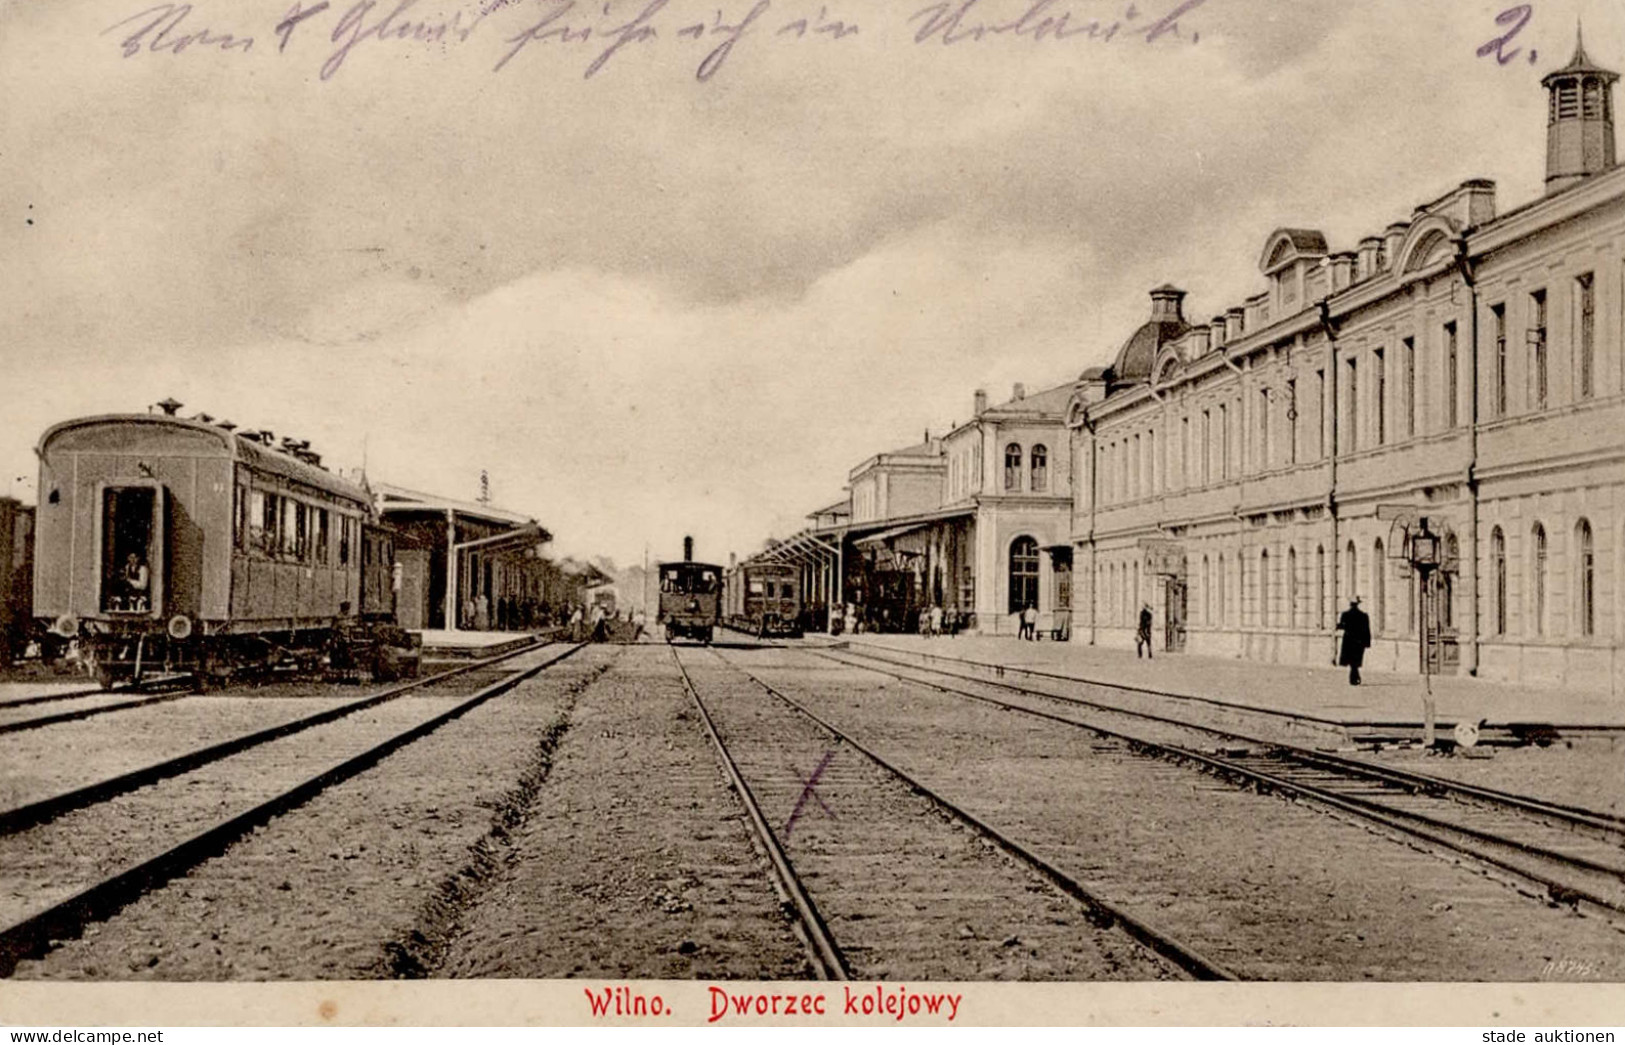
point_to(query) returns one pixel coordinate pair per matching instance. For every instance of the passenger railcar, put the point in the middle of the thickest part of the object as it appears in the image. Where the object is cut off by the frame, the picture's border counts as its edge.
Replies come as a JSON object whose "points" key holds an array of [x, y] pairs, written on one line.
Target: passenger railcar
{"points": [[763, 599], [17, 628], [690, 597], [168, 544]]}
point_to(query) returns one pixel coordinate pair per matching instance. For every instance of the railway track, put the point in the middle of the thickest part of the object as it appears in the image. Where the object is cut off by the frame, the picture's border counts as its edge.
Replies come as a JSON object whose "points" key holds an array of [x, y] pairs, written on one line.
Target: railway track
{"points": [[50, 698], [1563, 854], [48, 807], [92, 852], [862, 853]]}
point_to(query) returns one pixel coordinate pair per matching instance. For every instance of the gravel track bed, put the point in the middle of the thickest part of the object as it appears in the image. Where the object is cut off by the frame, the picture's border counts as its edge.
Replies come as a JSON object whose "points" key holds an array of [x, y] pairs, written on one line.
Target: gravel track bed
{"points": [[1526, 828], [1584, 771], [47, 863], [1270, 888], [908, 891], [320, 891], [44, 762], [41, 763], [1591, 774], [635, 861], [27, 712]]}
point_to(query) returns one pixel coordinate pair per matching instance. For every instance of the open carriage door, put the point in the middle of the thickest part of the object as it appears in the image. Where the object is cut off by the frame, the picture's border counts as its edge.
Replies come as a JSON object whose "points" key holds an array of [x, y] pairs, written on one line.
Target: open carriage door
{"points": [[131, 536]]}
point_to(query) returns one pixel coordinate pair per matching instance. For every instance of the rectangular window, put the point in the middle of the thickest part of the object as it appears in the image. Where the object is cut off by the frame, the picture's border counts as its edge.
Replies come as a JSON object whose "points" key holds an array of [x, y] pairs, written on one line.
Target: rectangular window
{"points": [[1585, 310], [1379, 392], [240, 518], [1207, 447], [1320, 414], [1409, 361], [1451, 365], [1292, 421], [1263, 430], [1539, 384], [1351, 409], [270, 518], [1498, 401], [346, 536], [322, 537], [1184, 451]]}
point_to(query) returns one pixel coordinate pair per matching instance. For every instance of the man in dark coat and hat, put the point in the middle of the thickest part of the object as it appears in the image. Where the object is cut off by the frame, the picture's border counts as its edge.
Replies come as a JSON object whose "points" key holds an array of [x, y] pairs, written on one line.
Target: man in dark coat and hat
{"points": [[1356, 629]]}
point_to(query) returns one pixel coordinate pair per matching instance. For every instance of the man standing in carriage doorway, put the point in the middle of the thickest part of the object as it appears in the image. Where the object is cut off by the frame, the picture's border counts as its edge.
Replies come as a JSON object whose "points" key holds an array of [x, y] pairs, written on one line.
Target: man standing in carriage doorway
{"points": [[1356, 629]]}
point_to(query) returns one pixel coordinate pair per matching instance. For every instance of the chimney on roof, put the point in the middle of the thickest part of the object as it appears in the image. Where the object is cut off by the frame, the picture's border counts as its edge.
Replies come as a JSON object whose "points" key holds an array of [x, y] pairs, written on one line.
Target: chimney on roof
{"points": [[1018, 391], [688, 549], [1217, 324], [733, 559], [981, 402], [1167, 303]]}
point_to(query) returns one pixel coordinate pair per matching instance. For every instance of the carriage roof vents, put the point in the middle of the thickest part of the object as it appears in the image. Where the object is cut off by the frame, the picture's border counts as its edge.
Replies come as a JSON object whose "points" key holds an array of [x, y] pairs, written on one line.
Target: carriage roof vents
{"points": [[169, 406], [205, 418], [227, 425]]}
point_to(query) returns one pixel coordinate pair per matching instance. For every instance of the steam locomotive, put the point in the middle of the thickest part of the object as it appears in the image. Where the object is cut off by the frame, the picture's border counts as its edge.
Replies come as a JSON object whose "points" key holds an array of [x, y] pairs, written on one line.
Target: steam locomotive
{"points": [[690, 597]]}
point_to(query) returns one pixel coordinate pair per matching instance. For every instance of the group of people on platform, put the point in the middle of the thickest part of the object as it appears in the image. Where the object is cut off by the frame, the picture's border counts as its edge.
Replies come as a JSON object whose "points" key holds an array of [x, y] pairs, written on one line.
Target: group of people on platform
{"points": [[1353, 623], [856, 619], [511, 613]]}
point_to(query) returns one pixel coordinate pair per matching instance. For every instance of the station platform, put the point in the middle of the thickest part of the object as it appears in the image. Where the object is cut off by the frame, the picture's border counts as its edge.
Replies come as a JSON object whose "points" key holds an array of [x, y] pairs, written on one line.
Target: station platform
{"points": [[1383, 701], [455, 645]]}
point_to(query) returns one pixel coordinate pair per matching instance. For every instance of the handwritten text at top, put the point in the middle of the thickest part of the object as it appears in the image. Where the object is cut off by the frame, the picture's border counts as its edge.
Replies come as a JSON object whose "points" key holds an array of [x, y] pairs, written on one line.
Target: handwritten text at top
{"points": [[336, 30]]}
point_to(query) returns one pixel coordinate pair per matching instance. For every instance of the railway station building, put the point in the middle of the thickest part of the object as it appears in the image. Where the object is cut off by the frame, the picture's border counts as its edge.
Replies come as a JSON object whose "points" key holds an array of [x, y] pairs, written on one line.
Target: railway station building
{"points": [[1458, 374], [462, 551], [975, 521]]}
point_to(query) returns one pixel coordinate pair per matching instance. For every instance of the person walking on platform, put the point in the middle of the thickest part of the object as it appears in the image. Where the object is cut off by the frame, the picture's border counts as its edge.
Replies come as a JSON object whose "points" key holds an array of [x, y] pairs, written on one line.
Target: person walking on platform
{"points": [[936, 621], [1029, 622], [1356, 629], [1142, 637]]}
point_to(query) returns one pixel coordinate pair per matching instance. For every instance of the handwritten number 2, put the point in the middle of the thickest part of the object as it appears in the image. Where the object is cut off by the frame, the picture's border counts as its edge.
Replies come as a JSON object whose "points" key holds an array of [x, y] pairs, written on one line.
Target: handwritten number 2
{"points": [[1517, 17]]}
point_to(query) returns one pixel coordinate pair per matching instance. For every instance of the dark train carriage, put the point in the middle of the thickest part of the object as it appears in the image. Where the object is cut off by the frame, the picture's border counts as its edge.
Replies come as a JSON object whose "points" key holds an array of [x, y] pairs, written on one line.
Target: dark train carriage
{"points": [[172, 544], [16, 579], [764, 599], [690, 600]]}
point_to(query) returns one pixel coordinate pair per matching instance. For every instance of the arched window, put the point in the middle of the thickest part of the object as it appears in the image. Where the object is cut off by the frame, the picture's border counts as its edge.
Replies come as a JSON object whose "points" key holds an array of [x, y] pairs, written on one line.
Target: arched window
{"points": [[1264, 588], [1292, 587], [1586, 563], [1537, 579], [1498, 578], [1133, 607], [1218, 595], [1040, 470], [1379, 590], [1320, 586], [1012, 467], [1351, 573], [1023, 573]]}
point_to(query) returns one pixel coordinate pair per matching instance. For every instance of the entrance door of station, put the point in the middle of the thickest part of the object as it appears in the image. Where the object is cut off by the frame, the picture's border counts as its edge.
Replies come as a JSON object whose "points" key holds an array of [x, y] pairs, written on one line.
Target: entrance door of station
{"points": [[1175, 592]]}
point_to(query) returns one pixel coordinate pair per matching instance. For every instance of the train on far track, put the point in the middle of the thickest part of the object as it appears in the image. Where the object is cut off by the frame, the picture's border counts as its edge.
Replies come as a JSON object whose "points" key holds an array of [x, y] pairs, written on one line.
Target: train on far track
{"points": [[690, 597], [763, 599], [171, 545]]}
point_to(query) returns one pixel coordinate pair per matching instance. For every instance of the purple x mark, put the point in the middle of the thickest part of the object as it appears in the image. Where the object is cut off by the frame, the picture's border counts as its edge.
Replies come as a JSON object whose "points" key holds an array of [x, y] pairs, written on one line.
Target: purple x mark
{"points": [[809, 790]]}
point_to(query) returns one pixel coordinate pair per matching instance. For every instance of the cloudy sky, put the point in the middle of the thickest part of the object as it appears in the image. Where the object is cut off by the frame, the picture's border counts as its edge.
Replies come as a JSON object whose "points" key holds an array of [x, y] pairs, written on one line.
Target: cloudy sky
{"points": [[650, 303]]}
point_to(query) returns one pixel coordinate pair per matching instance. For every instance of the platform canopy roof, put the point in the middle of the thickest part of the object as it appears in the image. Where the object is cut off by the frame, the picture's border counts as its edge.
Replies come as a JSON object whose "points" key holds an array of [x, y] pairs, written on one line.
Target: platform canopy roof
{"points": [[400, 499]]}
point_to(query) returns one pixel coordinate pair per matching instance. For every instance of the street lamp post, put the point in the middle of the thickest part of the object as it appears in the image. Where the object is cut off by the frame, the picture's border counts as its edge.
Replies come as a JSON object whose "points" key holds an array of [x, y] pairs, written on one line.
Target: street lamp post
{"points": [[1423, 552]]}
